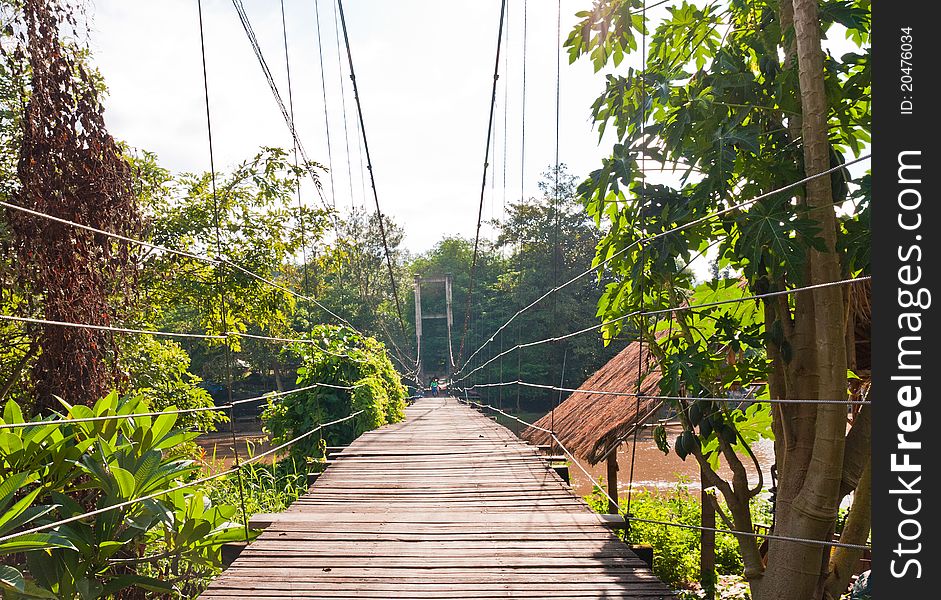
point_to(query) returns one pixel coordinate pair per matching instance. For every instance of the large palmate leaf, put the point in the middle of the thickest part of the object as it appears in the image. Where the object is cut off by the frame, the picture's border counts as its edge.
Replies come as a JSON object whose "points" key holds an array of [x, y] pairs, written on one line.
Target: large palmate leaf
{"points": [[771, 237]]}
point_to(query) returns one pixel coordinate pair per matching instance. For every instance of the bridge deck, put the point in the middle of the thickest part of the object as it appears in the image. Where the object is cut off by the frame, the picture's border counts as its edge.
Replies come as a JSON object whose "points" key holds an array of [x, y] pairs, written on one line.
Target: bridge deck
{"points": [[447, 504]]}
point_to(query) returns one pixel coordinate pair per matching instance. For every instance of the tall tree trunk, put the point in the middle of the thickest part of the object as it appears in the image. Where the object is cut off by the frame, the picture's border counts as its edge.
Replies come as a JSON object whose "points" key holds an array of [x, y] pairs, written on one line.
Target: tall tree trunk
{"points": [[855, 531], [810, 478]]}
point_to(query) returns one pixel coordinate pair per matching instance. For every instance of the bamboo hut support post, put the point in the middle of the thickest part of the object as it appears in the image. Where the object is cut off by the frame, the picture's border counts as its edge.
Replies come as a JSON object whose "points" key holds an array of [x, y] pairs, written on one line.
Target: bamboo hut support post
{"points": [[612, 478]]}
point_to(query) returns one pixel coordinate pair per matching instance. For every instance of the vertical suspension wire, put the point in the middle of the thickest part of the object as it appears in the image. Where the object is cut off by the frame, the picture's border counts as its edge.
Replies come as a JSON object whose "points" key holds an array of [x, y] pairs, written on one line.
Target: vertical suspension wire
{"points": [[300, 205], [558, 401], [372, 178], [222, 294], [519, 237], [506, 136], [346, 130], [506, 107], [483, 182], [362, 166], [500, 391], [326, 110], [556, 200], [642, 321]]}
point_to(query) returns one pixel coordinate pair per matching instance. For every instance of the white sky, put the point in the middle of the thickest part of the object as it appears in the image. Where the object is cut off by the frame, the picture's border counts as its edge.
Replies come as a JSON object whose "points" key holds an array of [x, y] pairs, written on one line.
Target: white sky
{"points": [[425, 71], [424, 68]]}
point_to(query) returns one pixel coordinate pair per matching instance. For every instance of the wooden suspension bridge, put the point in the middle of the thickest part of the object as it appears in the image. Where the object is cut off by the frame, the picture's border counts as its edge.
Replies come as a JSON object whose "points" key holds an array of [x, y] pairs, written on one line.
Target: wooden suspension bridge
{"points": [[447, 504]]}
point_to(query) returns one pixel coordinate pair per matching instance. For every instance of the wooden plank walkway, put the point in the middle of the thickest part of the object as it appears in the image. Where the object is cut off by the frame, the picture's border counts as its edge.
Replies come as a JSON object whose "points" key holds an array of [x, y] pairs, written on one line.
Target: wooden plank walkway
{"points": [[447, 504]]}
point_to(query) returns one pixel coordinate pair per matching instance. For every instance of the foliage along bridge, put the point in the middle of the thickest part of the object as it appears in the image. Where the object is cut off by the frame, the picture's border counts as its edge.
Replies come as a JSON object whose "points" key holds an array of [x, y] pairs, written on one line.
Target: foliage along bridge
{"points": [[447, 504]]}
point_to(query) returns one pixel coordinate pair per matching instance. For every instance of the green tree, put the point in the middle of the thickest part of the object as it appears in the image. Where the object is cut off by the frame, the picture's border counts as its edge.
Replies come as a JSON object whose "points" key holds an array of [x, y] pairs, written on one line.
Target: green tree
{"points": [[350, 277], [259, 230], [742, 99], [351, 373], [550, 240]]}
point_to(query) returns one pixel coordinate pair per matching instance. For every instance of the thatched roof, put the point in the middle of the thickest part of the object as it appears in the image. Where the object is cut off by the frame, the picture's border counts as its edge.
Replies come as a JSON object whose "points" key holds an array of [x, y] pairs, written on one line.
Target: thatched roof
{"points": [[589, 424], [860, 311]]}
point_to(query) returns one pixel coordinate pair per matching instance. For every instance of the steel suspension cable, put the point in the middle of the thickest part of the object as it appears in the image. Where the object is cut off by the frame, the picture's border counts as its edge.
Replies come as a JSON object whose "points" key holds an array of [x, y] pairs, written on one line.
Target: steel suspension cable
{"points": [[276, 93], [597, 486], [643, 323], [372, 176], [221, 282], [300, 205], [673, 309], [519, 241], [326, 110], [154, 496], [483, 183], [178, 411], [346, 130], [683, 227], [672, 398]]}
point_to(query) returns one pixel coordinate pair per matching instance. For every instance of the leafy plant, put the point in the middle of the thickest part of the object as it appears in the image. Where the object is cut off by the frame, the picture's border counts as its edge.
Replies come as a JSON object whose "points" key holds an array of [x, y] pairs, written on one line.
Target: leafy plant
{"points": [[676, 550], [57, 471], [266, 488], [356, 374]]}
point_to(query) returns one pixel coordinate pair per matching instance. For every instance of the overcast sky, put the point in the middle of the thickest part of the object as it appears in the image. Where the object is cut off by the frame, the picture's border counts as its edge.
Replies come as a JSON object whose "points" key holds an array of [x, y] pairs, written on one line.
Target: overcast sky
{"points": [[424, 68]]}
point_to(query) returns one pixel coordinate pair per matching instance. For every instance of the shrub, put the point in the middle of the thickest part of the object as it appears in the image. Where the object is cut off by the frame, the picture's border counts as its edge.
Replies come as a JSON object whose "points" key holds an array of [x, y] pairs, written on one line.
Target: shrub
{"points": [[676, 549], [267, 488], [161, 376], [54, 471], [336, 356]]}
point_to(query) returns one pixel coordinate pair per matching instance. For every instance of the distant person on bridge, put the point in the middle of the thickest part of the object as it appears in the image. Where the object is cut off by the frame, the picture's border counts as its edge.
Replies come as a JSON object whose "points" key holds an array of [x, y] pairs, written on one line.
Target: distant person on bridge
{"points": [[434, 387]]}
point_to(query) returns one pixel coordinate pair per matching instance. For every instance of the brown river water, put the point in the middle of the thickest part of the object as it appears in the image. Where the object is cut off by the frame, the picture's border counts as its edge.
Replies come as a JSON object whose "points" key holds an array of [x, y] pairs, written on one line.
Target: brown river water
{"points": [[652, 469], [655, 471]]}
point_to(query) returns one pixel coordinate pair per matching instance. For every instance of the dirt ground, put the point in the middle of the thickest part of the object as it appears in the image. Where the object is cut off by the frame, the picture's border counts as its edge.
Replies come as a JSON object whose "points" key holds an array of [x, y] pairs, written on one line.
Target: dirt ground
{"points": [[218, 447]]}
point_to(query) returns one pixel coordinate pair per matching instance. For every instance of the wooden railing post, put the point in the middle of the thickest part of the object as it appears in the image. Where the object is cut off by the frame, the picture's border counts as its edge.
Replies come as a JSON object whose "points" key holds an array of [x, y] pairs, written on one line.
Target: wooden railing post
{"points": [[612, 475]]}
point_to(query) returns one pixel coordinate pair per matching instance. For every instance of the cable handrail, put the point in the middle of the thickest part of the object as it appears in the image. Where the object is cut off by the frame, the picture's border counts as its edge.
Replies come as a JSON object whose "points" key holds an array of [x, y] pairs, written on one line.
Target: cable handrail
{"points": [[205, 258], [155, 495], [110, 234], [164, 333], [157, 332], [731, 400], [645, 239], [180, 411], [680, 308], [768, 536], [628, 518]]}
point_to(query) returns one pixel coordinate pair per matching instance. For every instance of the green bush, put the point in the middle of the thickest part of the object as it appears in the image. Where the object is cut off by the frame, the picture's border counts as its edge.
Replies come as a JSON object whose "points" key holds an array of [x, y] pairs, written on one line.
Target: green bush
{"points": [[336, 356], [676, 549], [51, 471], [161, 376], [267, 488]]}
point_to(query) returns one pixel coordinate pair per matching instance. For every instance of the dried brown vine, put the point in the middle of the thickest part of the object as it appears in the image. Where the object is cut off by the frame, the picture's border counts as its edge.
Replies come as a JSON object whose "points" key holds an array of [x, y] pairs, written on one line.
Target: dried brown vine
{"points": [[70, 167]]}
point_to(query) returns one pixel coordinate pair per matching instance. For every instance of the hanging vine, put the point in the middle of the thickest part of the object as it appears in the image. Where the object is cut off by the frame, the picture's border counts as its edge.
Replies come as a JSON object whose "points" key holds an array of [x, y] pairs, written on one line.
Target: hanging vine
{"points": [[69, 167]]}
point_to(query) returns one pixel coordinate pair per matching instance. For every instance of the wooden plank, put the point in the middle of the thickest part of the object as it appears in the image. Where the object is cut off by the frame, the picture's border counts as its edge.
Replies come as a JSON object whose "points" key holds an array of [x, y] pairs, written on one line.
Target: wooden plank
{"points": [[446, 505]]}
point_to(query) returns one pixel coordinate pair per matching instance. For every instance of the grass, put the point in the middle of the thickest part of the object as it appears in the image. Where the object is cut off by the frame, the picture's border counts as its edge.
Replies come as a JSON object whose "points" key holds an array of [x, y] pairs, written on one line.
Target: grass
{"points": [[266, 488], [677, 550]]}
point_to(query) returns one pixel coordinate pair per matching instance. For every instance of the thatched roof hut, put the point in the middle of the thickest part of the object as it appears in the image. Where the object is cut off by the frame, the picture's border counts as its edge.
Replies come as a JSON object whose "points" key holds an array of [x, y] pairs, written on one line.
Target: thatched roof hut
{"points": [[591, 425]]}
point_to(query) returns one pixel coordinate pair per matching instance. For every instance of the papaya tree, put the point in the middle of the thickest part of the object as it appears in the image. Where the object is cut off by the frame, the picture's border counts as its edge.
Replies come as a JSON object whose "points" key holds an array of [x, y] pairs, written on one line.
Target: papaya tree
{"points": [[741, 100]]}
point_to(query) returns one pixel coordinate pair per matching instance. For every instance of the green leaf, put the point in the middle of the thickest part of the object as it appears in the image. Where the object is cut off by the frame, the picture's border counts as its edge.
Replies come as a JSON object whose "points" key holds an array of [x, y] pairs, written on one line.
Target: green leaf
{"points": [[35, 541], [11, 579], [116, 584], [12, 413], [11, 485], [9, 518], [124, 480]]}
